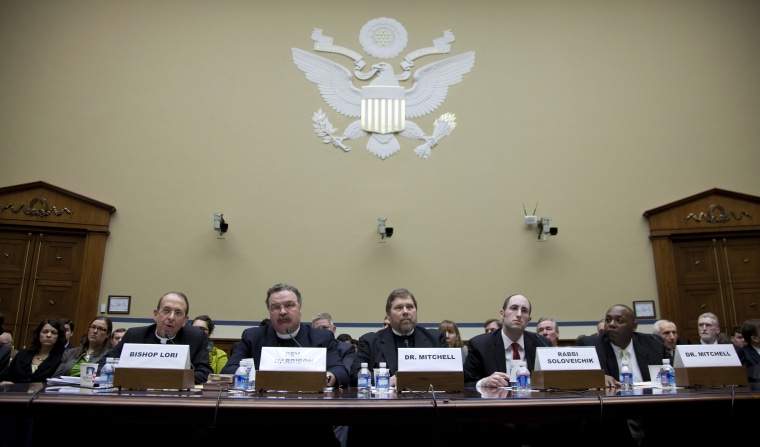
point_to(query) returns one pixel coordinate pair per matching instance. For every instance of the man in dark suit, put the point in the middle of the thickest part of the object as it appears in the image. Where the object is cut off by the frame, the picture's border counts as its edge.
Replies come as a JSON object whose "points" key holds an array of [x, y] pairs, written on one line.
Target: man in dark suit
{"points": [[170, 317], [403, 332], [620, 340], [347, 351], [486, 362], [284, 305], [750, 354]]}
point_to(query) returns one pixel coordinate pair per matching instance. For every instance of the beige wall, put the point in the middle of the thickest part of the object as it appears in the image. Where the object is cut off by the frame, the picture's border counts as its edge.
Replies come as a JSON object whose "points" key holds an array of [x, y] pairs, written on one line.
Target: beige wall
{"points": [[173, 110]]}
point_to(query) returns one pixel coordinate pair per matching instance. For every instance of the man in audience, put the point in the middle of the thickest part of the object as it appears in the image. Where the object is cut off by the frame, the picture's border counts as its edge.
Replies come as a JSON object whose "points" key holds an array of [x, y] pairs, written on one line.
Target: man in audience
{"points": [[669, 334], [403, 332], [600, 327], [117, 335], [284, 304], [346, 350], [750, 354], [68, 329], [386, 322], [547, 327], [492, 324], [486, 362], [737, 339], [709, 328], [6, 339], [170, 316]]}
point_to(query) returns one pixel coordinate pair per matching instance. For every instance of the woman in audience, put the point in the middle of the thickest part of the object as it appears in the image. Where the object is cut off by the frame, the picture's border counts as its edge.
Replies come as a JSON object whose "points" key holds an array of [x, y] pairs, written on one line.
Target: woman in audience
{"points": [[92, 347], [453, 338], [39, 361], [216, 357]]}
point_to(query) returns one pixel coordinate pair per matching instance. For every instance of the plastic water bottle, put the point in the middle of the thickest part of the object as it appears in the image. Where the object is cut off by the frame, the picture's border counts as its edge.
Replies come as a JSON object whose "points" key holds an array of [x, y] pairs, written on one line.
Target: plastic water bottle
{"points": [[383, 379], [523, 378], [364, 379], [667, 375], [241, 378], [105, 380], [626, 377]]}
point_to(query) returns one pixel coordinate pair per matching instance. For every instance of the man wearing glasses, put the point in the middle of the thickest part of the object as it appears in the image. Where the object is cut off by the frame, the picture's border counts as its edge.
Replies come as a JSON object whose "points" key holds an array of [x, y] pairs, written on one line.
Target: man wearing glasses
{"points": [[170, 316], [284, 305]]}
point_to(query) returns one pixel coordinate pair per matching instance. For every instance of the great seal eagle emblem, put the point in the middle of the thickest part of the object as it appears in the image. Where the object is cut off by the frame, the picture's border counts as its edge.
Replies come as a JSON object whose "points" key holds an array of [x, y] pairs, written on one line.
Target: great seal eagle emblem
{"points": [[383, 107]]}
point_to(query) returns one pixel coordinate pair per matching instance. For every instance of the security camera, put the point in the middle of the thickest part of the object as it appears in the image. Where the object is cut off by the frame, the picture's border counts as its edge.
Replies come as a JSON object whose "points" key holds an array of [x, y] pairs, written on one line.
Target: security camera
{"points": [[382, 229], [388, 231]]}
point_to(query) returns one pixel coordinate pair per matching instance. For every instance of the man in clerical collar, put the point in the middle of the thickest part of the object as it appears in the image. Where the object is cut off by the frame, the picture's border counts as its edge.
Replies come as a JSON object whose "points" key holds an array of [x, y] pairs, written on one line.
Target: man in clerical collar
{"points": [[403, 332]]}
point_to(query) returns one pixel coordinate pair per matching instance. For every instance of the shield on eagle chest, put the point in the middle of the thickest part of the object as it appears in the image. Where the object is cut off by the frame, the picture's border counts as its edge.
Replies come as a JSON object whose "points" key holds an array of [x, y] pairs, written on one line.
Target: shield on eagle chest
{"points": [[383, 109]]}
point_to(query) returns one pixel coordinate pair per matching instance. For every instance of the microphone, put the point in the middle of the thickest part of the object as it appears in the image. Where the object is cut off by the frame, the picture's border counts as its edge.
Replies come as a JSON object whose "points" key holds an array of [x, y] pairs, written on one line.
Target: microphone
{"points": [[668, 349], [291, 336], [169, 338]]}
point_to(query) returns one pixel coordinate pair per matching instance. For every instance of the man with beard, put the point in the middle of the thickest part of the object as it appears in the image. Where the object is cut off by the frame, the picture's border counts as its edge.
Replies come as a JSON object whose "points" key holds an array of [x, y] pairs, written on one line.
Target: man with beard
{"points": [[284, 305], [403, 332], [709, 328]]}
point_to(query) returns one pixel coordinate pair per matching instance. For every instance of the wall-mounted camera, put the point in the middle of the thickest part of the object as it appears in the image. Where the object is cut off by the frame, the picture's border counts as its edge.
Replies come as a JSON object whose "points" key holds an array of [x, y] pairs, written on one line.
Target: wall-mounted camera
{"points": [[382, 229], [219, 224]]}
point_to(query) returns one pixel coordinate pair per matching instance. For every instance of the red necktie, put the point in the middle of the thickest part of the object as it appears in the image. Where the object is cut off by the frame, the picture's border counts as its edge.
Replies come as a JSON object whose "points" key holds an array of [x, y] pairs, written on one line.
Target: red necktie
{"points": [[515, 351]]}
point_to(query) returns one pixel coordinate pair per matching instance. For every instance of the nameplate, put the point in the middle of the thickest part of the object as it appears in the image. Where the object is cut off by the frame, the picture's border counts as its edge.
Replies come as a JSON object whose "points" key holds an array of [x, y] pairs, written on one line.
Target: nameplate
{"points": [[155, 356], [566, 358], [293, 359], [430, 359], [689, 356]]}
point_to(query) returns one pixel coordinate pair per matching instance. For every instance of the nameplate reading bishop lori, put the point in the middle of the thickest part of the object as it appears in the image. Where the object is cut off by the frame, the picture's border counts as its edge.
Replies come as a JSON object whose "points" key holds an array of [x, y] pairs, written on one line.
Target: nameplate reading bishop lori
{"points": [[157, 356]]}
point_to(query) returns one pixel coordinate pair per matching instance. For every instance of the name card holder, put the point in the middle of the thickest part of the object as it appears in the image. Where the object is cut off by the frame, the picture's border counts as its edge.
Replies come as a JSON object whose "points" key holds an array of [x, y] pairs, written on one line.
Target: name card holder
{"points": [[304, 381], [571, 379], [711, 376], [175, 379], [421, 380]]}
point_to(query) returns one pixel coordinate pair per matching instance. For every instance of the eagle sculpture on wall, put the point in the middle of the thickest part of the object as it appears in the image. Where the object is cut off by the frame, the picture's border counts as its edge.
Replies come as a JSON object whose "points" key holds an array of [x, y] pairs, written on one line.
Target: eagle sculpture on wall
{"points": [[383, 107]]}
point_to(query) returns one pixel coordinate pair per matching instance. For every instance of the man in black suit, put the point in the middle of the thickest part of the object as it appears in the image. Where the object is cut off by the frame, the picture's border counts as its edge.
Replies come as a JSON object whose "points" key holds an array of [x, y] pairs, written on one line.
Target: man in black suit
{"points": [[620, 340], [750, 354], [170, 326], [403, 332], [284, 305], [486, 362]]}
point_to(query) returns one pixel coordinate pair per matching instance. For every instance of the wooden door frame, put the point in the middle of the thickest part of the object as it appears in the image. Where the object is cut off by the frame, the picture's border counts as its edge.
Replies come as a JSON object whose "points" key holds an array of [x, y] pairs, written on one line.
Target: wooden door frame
{"points": [[42, 207], [713, 213]]}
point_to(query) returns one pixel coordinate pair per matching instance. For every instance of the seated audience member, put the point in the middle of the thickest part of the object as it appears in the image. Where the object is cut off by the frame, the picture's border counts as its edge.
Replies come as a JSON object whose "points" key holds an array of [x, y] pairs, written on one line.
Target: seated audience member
{"points": [[68, 328], [600, 327], [548, 328], [217, 358], [669, 334], [386, 322], [619, 342], [453, 337], [265, 322], [347, 352], [486, 363], [750, 353], [708, 326], [491, 325], [6, 339], [170, 316], [403, 332], [723, 339], [117, 335], [737, 339], [345, 338], [92, 348], [39, 361]]}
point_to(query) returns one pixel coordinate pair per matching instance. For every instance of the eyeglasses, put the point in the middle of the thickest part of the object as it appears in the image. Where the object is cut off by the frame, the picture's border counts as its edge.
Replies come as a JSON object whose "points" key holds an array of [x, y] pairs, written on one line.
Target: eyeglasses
{"points": [[165, 311], [97, 328], [277, 308]]}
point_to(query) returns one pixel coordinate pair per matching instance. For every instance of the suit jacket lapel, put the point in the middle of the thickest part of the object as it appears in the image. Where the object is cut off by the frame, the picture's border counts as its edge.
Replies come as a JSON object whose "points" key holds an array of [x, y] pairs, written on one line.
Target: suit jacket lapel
{"points": [[388, 348], [499, 349]]}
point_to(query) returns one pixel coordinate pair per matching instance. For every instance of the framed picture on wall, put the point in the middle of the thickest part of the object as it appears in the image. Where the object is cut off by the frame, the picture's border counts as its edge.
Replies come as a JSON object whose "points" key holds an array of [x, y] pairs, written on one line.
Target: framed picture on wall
{"points": [[118, 304], [644, 309]]}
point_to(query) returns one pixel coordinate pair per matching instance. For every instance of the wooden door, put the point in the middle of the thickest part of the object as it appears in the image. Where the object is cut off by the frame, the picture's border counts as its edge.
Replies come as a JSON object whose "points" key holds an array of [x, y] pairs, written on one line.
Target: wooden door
{"points": [[718, 275], [52, 245], [707, 259], [40, 275]]}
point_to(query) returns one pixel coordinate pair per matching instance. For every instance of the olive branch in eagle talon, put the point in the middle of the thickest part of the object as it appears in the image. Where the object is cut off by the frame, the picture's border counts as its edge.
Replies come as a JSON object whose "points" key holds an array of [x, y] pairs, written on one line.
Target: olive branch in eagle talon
{"points": [[324, 129]]}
